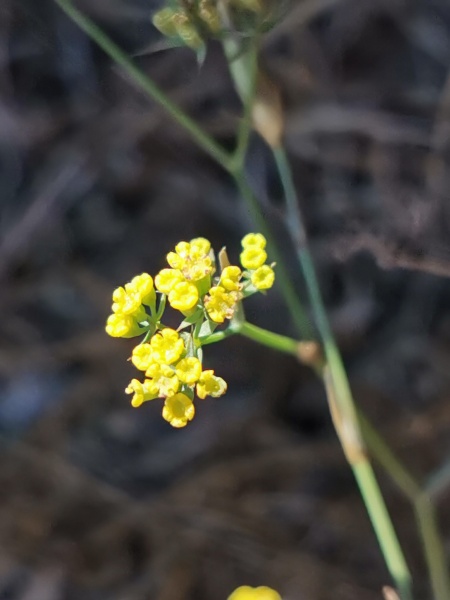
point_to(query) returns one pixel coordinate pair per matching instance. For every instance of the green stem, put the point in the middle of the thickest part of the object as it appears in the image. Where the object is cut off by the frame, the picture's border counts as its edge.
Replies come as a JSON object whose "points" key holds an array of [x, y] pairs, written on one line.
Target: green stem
{"points": [[278, 342], [433, 547], [268, 338], [294, 221], [218, 336], [262, 336], [438, 481], [388, 460], [382, 525], [203, 140], [423, 508], [244, 70], [345, 417]]}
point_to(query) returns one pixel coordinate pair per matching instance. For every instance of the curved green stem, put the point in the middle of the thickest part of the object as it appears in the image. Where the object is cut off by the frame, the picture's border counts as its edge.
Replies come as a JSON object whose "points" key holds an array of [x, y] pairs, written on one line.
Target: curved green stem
{"points": [[382, 524], [421, 500], [268, 338], [203, 140], [278, 342], [433, 546], [388, 460], [217, 336], [249, 89]]}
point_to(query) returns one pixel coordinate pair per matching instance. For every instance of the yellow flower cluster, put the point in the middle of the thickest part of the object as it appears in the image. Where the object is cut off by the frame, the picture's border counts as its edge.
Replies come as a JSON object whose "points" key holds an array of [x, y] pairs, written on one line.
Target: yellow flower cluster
{"points": [[172, 359], [253, 257], [245, 592], [172, 374], [191, 270], [128, 307]]}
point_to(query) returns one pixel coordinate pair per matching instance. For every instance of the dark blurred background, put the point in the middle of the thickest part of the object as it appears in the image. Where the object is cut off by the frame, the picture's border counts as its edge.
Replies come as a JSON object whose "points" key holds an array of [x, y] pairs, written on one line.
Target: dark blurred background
{"points": [[102, 501]]}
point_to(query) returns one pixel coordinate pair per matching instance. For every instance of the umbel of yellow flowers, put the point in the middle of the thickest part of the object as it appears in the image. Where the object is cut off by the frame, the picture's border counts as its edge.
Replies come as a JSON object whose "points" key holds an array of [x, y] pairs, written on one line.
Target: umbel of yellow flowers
{"points": [[171, 360], [246, 592]]}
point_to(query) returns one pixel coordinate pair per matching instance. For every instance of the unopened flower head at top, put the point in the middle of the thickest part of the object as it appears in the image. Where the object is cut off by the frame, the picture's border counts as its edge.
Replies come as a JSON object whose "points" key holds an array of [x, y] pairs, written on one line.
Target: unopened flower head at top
{"points": [[193, 22], [245, 592]]}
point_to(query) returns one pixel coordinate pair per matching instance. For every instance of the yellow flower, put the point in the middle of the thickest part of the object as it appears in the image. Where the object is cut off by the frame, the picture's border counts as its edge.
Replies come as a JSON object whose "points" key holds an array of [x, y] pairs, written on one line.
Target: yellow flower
{"points": [[126, 300], [220, 304], [167, 346], [254, 240], [141, 391], [178, 410], [164, 379], [143, 285], [167, 279], [175, 260], [183, 296], [253, 257], [263, 277], [199, 248], [192, 259], [210, 385], [189, 370], [245, 592], [230, 277], [142, 356], [119, 325]]}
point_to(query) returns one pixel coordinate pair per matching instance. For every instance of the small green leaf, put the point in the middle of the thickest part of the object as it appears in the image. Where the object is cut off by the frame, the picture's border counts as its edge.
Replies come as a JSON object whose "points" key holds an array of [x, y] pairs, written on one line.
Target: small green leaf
{"points": [[161, 308], [191, 319], [207, 328]]}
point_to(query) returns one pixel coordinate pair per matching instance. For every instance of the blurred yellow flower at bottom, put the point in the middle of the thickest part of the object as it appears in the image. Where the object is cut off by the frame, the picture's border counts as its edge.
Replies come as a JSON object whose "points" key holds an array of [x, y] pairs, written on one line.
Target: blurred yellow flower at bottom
{"points": [[245, 592]]}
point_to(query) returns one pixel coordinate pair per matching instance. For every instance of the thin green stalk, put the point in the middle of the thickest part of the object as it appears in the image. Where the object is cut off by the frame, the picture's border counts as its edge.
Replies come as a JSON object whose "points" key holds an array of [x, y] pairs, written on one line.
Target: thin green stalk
{"points": [[294, 221], [424, 511], [433, 547], [382, 524], [438, 481], [278, 342], [218, 336], [203, 140], [268, 338], [245, 127], [388, 460], [425, 514], [338, 387]]}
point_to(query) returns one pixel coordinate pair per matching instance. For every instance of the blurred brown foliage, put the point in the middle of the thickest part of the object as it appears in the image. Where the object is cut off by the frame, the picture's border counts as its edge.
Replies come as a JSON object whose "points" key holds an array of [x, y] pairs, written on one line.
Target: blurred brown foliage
{"points": [[100, 501]]}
